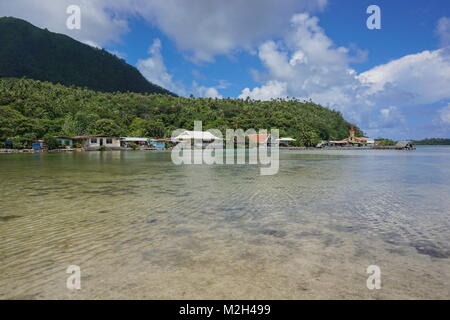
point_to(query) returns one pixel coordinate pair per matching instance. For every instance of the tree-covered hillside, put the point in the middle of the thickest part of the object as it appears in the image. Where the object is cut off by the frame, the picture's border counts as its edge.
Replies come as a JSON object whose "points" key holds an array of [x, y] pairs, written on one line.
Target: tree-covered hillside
{"points": [[31, 109], [31, 52]]}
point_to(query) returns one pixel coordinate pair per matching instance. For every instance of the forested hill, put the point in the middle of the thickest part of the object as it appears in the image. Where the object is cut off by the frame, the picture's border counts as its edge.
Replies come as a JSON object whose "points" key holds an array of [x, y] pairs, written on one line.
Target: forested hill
{"points": [[31, 52], [31, 109]]}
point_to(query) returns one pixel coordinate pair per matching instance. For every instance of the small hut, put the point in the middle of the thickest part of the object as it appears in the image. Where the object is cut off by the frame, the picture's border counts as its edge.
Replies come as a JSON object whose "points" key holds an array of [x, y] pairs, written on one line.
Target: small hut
{"points": [[405, 145]]}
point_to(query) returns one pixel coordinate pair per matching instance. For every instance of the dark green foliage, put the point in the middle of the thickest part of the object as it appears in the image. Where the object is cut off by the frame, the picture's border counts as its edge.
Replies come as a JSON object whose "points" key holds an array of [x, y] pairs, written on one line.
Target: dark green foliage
{"points": [[108, 127], [433, 142], [309, 137], [30, 108], [52, 142], [31, 52]]}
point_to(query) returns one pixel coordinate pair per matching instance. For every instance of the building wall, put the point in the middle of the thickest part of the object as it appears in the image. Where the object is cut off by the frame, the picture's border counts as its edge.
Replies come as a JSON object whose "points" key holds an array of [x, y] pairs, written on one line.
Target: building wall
{"points": [[158, 144], [66, 142], [87, 143]]}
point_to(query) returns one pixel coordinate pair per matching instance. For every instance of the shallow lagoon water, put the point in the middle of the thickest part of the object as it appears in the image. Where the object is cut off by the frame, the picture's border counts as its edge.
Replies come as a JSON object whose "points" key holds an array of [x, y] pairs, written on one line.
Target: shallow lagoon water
{"points": [[141, 227]]}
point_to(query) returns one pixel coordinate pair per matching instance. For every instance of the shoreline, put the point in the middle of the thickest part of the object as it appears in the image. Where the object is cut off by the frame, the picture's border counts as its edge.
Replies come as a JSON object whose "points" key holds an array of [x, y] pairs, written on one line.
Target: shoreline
{"points": [[166, 149]]}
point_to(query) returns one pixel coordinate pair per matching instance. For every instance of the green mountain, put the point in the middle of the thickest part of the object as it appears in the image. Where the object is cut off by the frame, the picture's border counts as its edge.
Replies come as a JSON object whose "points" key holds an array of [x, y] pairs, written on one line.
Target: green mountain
{"points": [[31, 109], [31, 52]]}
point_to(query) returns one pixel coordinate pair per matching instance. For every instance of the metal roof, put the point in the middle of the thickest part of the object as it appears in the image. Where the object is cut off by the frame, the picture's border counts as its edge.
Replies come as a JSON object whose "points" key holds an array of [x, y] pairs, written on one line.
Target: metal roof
{"points": [[132, 139], [200, 135]]}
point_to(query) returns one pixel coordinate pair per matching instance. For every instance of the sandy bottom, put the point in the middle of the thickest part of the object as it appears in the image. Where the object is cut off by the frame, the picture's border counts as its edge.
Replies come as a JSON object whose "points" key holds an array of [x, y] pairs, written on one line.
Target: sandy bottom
{"points": [[141, 228]]}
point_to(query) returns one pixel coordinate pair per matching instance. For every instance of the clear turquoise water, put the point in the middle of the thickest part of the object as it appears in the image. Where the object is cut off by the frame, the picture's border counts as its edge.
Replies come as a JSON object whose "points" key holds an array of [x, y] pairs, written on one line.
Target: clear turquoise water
{"points": [[140, 227]]}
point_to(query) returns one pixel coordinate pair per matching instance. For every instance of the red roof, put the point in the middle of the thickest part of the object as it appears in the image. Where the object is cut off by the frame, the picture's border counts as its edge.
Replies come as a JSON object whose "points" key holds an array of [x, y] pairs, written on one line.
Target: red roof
{"points": [[259, 138]]}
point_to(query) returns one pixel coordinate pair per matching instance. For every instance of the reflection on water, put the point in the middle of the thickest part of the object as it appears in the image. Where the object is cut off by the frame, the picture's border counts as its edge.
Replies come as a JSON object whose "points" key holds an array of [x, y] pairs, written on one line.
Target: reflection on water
{"points": [[141, 227]]}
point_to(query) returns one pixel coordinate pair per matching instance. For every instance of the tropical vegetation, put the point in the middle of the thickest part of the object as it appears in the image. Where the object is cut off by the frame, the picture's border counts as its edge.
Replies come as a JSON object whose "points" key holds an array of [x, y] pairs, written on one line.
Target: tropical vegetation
{"points": [[32, 109]]}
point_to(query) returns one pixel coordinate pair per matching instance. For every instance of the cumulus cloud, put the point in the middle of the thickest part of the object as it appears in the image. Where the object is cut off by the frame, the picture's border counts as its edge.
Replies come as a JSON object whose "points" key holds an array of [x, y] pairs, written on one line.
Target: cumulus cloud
{"points": [[206, 92], [210, 27], [443, 31], [202, 28], [444, 114], [154, 69], [414, 79], [307, 64], [272, 90]]}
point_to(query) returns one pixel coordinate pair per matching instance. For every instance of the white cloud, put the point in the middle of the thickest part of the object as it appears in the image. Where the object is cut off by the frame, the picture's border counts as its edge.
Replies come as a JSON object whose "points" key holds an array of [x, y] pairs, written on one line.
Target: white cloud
{"points": [[92, 44], [443, 31], [206, 92], [307, 64], [271, 90], [154, 69], [415, 79], [207, 28], [203, 28], [119, 54], [388, 118], [444, 114]]}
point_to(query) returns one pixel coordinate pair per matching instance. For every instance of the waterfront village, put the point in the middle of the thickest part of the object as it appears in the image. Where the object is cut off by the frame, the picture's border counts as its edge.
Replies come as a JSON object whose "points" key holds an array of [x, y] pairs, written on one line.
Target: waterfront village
{"points": [[99, 142]]}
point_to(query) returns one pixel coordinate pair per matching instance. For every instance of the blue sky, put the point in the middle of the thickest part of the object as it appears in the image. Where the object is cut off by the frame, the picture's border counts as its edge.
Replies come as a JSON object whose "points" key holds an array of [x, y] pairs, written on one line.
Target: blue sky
{"points": [[393, 82]]}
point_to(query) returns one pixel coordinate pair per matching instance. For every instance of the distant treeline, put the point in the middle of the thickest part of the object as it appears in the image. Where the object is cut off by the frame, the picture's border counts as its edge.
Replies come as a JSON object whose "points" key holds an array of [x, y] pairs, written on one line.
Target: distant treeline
{"points": [[433, 142], [31, 109]]}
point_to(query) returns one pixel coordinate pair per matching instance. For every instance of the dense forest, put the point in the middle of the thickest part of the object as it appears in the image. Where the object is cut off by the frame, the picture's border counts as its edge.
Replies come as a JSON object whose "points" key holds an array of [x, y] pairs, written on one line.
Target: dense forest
{"points": [[31, 52], [31, 109], [433, 142]]}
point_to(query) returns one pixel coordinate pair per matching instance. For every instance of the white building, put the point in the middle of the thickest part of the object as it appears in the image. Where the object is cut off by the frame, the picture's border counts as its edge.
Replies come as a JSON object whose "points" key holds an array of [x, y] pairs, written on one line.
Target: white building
{"points": [[201, 138], [283, 142], [94, 142]]}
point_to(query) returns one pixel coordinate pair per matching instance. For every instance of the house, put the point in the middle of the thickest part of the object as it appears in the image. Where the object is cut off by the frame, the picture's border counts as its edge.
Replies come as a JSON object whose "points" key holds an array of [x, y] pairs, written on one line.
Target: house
{"points": [[405, 145], [160, 143], [266, 139], [95, 142], [65, 141], [359, 141], [351, 141], [284, 142], [201, 138], [337, 143], [127, 141], [260, 139], [196, 135], [38, 145]]}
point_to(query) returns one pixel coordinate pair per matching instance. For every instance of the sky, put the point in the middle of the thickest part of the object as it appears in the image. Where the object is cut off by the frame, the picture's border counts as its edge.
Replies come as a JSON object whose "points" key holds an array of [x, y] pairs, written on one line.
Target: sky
{"points": [[392, 82]]}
